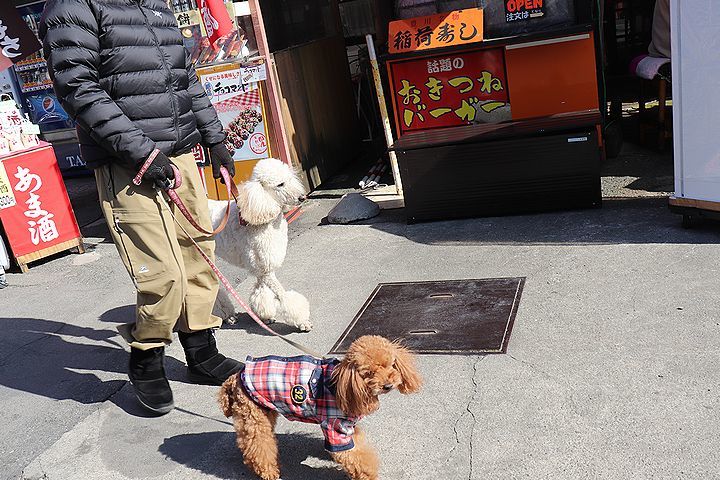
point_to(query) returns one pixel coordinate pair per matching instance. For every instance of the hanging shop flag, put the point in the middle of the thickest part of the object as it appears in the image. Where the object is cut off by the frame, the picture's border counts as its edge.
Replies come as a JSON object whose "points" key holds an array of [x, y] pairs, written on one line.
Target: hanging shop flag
{"points": [[216, 19], [17, 41], [435, 31]]}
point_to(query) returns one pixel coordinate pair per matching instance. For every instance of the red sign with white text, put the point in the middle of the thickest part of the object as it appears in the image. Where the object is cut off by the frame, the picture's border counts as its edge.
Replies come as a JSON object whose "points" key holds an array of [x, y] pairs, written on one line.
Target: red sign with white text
{"points": [[450, 90], [42, 216]]}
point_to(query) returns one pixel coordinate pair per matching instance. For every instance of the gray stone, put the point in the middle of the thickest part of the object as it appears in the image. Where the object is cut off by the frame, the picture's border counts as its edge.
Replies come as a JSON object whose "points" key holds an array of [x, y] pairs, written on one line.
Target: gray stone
{"points": [[353, 207]]}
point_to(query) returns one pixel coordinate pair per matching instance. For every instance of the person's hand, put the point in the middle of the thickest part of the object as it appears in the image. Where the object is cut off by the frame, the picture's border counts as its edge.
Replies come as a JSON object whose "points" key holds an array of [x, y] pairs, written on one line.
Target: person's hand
{"points": [[220, 157], [160, 172]]}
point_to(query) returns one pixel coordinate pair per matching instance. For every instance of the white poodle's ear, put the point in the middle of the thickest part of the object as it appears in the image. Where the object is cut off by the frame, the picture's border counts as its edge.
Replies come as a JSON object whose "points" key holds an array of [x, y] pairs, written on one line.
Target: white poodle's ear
{"points": [[256, 205]]}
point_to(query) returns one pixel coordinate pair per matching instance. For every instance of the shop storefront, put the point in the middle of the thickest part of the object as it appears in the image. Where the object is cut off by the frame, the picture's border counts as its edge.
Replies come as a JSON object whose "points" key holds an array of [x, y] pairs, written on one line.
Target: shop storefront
{"points": [[496, 110]]}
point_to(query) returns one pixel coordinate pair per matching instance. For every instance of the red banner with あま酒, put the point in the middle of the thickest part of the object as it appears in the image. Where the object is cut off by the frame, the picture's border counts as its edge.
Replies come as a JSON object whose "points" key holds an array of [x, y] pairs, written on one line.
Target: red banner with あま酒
{"points": [[41, 215]]}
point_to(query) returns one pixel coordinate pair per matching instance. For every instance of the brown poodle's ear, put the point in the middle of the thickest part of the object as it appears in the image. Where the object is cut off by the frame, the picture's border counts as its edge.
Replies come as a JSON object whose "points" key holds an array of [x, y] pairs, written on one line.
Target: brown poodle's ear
{"points": [[256, 205], [226, 397], [405, 364], [352, 395]]}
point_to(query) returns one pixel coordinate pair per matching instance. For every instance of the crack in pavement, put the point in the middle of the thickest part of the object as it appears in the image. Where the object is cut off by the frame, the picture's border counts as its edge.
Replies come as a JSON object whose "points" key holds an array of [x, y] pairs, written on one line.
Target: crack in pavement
{"points": [[470, 401], [474, 422]]}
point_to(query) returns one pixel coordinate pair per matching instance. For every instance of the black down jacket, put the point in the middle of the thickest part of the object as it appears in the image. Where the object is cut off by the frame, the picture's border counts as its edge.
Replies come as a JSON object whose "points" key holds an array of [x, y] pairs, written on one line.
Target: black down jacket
{"points": [[120, 70]]}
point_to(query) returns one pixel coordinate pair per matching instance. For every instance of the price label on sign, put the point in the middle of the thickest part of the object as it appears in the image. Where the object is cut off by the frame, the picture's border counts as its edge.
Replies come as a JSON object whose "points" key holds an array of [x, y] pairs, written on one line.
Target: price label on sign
{"points": [[7, 197], [254, 74], [258, 143]]}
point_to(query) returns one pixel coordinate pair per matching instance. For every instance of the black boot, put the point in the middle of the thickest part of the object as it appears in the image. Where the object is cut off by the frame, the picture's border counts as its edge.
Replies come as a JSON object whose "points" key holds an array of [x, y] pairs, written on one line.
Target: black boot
{"points": [[147, 375], [205, 364]]}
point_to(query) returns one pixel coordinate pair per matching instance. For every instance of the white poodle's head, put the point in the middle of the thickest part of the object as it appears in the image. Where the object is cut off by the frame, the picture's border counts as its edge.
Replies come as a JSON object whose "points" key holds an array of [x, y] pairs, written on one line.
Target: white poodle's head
{"points": [[273, 188]]}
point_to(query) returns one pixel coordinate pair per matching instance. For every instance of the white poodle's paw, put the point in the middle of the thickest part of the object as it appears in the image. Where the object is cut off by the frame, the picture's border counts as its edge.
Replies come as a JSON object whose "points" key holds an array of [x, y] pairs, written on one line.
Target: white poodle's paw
{"points": [[304, 326], [295, 311]]}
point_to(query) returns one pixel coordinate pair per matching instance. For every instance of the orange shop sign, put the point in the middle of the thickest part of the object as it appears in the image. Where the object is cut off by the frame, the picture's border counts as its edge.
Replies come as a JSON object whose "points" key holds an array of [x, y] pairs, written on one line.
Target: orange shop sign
{"points": [[435, 31]]}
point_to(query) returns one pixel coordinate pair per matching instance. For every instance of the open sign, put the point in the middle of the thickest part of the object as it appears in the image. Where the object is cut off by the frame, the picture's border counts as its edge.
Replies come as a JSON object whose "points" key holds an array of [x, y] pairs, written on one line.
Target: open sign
{"points": [[518, 10]]}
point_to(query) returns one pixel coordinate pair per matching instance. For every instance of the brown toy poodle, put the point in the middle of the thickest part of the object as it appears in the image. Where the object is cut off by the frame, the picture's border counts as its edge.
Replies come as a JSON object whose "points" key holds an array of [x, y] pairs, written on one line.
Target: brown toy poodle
{"points": [[332, 393]]}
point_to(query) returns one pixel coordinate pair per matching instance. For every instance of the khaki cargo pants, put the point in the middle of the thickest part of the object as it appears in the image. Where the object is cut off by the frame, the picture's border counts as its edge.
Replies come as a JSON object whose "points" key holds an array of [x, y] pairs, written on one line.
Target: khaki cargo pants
{"points": [[176, 288]]}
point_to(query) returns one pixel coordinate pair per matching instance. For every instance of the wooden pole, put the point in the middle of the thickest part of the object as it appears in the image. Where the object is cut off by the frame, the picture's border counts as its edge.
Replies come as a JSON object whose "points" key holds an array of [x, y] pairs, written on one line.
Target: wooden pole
{"points": [[383, 112], [272, 83]]}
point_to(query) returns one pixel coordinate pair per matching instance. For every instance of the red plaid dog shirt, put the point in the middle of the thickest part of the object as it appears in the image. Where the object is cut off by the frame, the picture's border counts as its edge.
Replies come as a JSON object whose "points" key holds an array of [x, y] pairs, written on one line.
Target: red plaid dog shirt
{"points": [[300, 389]]}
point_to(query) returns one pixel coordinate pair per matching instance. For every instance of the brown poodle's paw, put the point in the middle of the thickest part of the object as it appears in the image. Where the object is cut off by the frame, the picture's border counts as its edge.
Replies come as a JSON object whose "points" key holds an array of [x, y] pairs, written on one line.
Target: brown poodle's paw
{"points": [[266, 472]]}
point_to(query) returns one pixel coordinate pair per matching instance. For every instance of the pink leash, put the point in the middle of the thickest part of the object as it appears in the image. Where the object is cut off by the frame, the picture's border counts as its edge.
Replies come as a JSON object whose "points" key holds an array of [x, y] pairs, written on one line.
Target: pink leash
{"points": [[232, 189]]}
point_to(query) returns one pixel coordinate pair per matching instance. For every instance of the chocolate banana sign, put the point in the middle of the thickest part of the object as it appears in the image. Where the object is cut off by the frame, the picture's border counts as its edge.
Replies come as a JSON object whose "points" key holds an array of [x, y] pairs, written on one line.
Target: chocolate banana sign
{"points": [[17, 41]]}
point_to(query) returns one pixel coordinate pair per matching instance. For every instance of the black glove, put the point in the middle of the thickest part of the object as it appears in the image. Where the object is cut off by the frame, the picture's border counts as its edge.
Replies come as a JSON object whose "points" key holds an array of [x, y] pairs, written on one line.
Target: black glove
{"points": [[160, 172], [220, 157]]}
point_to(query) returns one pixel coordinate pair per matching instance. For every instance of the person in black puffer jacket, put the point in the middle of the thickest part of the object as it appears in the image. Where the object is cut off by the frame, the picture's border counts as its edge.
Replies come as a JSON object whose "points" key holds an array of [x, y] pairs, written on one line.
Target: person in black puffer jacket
{"points": [[121, 71]]}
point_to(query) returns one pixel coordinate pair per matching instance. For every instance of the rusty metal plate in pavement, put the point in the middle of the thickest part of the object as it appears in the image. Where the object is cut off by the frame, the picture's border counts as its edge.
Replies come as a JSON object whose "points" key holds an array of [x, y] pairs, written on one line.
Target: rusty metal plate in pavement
{"points": [[440, 317]]}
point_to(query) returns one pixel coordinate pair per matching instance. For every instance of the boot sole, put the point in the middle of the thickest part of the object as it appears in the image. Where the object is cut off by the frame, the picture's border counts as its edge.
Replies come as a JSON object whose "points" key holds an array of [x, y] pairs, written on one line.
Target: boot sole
{"points": [[159, 409]]}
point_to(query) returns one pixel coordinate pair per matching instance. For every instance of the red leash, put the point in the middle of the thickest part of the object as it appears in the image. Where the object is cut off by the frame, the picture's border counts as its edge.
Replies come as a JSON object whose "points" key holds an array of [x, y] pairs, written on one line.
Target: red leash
{"points": [[232, 189]]}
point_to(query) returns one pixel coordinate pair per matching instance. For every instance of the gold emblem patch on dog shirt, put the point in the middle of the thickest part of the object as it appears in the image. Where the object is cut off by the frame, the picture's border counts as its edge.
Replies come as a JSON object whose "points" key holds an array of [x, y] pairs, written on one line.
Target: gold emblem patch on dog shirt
{"points": [[298, 394]]}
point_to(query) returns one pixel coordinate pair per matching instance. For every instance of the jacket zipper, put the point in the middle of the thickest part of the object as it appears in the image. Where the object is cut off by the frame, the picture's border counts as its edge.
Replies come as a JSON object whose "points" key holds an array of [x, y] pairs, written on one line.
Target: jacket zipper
{"points": [[167, 71]]}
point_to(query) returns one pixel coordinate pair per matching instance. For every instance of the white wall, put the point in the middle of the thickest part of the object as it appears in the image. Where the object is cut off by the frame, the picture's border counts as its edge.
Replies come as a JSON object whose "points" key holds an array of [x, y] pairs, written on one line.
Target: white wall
{"points": [[696, 98]]}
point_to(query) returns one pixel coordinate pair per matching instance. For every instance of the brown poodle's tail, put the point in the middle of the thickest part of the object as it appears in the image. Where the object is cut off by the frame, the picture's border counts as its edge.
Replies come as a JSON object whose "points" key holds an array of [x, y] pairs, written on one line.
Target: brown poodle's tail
{"points": [[227, 394]]}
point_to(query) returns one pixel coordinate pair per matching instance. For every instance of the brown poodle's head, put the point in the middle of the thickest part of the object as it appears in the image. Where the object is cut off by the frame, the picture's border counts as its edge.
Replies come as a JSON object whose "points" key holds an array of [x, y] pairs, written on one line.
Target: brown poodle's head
{"points": [[373, 366]]}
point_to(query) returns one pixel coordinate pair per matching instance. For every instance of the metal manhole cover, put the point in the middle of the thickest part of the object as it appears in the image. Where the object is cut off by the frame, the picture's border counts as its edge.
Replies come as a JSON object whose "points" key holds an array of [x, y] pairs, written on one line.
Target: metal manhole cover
{"points": [[455, 316]]}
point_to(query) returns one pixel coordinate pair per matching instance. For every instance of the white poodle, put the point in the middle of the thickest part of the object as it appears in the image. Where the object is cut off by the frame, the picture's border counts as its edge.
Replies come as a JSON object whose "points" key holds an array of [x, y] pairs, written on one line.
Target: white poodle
{"points": [[258, 242]]}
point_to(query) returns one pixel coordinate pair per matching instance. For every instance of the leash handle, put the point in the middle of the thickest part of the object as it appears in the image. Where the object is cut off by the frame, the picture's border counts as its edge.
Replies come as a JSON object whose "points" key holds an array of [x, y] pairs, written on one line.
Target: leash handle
{"points": [[138, 178]]}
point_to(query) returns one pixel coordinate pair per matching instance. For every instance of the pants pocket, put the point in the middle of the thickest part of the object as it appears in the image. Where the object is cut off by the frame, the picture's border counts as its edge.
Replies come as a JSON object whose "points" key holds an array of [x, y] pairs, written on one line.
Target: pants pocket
{"points": [[147, 249]]}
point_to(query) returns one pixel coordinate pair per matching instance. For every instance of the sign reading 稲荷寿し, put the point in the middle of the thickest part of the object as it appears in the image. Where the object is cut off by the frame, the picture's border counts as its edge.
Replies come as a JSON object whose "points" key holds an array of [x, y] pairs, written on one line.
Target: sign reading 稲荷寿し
{"points": [[441, 30]]}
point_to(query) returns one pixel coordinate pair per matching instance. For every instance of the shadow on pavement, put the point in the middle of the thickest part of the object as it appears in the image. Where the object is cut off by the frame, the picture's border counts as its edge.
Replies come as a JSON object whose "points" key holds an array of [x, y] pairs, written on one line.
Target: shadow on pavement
{"points": [[244, 323], [619, 221], [66, 362], [59, 360], [225, 460]]}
